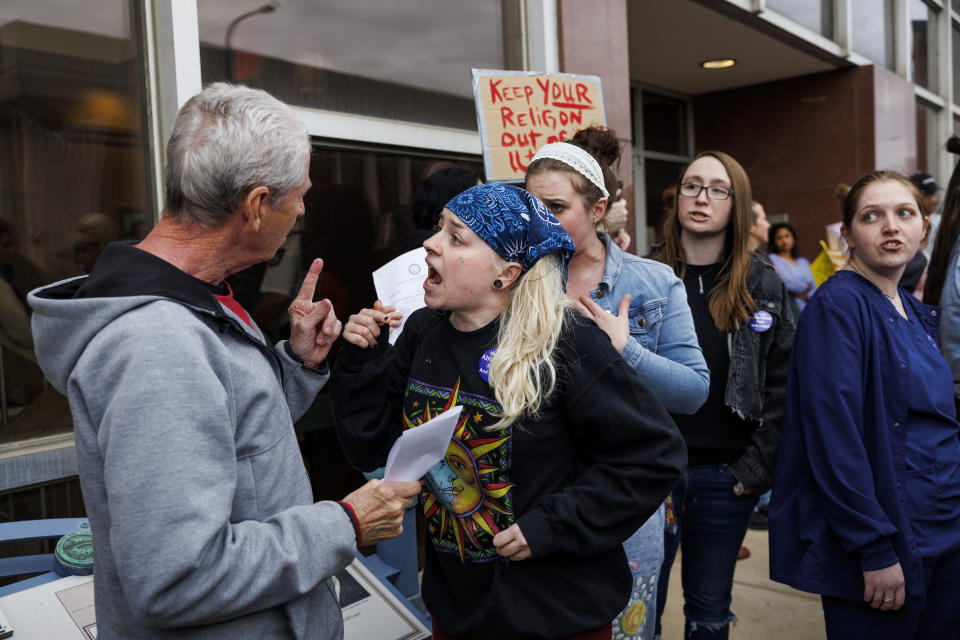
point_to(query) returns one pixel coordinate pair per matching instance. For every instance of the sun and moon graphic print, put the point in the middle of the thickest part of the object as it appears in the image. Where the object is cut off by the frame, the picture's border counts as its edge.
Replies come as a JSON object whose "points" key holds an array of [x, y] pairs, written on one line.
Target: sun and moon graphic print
{"points": [[466, 497]]}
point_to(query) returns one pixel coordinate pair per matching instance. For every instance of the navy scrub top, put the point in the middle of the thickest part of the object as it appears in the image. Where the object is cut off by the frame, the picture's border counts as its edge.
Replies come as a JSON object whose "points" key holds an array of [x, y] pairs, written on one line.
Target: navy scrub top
{"points": [[932, 480]]}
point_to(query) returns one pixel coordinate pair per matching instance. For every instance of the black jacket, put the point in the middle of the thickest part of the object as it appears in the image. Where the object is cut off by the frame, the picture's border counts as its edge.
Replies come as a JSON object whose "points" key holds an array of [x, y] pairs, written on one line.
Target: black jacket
{"points": [[578, 479], [757, 379]]}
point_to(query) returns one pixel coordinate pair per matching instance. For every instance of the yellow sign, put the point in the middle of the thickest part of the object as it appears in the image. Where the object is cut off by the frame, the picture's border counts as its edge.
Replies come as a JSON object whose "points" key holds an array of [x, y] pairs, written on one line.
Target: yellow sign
{"points": [[519, 112], [826, 263]]}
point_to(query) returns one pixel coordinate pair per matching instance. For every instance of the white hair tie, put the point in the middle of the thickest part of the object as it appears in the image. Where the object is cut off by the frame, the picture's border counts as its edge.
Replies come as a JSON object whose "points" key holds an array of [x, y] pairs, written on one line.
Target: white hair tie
{"points": [[577, 159]]}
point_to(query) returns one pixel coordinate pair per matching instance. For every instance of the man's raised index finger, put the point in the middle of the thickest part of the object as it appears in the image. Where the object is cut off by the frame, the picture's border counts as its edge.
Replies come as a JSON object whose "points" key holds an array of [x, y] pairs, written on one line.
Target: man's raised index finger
{"points": [[309, 287]]}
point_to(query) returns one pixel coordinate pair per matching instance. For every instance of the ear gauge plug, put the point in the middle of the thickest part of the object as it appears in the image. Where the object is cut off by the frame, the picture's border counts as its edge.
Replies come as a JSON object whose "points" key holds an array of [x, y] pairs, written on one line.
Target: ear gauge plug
{"points": [[498, 284]]}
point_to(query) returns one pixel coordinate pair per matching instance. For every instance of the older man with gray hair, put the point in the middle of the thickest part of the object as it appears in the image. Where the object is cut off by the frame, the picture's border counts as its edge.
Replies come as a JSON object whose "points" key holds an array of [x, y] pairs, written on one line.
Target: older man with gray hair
{"points": [[203, 520]]}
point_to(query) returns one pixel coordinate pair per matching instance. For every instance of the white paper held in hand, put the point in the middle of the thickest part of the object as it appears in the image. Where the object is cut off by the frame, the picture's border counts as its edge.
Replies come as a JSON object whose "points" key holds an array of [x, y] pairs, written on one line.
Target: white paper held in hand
{"points": [[399, 284], [417, 450]]}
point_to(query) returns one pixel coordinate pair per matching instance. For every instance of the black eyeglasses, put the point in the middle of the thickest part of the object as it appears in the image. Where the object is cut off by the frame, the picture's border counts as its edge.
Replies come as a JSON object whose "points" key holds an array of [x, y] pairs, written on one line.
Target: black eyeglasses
{"points": [[691, 190]]}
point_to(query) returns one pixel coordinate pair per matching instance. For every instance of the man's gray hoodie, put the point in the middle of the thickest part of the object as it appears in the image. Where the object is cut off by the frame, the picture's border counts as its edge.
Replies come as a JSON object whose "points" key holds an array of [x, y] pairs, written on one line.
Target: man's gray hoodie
{"points": [[202, 515]]}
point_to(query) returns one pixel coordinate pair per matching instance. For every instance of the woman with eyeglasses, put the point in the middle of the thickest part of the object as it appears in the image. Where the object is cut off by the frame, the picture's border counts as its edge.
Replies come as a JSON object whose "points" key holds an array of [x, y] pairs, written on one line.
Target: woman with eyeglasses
{"points": [[639, 303], [744, 325]]}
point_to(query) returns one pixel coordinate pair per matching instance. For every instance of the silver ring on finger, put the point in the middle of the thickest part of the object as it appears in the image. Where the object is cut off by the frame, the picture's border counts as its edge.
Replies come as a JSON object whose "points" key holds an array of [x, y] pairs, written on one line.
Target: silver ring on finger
{"points": [[886, 599]]}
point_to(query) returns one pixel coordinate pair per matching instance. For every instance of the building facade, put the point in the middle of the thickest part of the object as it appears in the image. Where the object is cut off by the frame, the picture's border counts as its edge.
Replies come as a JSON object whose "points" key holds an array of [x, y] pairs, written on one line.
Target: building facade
{"points": [[821, 92]]}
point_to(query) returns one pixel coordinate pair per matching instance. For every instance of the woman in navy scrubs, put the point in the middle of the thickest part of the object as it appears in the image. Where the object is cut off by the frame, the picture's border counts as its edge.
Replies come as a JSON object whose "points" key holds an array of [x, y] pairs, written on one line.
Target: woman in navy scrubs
{"points": [[866, 499]]}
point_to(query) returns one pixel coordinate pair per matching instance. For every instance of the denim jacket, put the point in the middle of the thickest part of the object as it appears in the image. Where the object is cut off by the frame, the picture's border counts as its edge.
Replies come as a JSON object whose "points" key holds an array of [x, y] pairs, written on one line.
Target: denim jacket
{"points": [[757, 379], [663, 348]]}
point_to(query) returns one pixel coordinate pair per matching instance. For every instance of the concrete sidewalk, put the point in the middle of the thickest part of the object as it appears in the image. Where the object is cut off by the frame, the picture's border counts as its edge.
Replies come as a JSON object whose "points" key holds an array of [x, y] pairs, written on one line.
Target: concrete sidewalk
{"points": [[767, 610]]}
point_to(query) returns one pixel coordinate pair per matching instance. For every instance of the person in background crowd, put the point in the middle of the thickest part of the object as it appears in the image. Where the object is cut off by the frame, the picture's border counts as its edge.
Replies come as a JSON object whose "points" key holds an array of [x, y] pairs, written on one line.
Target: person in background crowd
{"points": [[866, 501], [759, 227], [792, 268], [759, 235], [930, 190], [943, 275], [614, 222], [639, 303], [203, 519], [428, 200], [561, 452], [742, 316]]}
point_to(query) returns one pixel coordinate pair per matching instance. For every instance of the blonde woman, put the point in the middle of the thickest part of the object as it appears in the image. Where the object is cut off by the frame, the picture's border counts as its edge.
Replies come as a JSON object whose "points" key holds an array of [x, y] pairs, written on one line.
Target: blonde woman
{"points": [[561, 452]]}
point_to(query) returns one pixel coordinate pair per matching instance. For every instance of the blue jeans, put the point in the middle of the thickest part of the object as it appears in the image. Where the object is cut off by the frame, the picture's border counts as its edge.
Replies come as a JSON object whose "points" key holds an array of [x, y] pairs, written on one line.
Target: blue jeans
{"points": [[644, 551], [712, 521]]}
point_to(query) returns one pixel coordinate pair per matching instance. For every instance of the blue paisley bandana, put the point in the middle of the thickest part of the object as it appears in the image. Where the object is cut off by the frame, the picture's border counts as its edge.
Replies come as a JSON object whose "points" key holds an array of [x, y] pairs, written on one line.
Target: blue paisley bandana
{"points": [[513, 222]]}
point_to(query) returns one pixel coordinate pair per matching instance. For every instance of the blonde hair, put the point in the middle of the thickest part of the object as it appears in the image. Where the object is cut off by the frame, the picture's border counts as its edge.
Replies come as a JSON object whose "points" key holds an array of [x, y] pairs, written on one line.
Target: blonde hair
{"points": [[523, 373]]}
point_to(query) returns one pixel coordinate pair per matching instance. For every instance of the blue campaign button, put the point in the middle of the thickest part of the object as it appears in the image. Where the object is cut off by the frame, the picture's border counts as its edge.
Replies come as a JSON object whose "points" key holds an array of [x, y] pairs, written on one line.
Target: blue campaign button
{"points": [[484, 365], [761, 321]]}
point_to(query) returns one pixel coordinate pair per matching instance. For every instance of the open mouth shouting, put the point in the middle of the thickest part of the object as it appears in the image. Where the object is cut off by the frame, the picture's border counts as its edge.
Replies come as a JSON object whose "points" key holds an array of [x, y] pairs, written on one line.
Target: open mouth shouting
{"points": [[433, 280]]}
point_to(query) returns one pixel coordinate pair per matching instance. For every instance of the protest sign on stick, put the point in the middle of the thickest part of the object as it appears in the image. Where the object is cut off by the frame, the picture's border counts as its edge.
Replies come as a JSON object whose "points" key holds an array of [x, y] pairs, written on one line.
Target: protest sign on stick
{"points": [[518, 112]]}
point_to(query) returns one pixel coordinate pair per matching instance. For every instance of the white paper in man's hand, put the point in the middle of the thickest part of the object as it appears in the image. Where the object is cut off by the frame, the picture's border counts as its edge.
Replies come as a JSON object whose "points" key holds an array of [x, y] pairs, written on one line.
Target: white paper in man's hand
{"points": [[418, 449], [399, 284]]}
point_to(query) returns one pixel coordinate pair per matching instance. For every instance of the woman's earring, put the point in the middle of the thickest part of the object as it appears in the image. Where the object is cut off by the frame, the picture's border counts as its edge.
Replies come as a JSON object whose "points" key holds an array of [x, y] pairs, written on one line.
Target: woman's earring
{"points": [[498, 284]]}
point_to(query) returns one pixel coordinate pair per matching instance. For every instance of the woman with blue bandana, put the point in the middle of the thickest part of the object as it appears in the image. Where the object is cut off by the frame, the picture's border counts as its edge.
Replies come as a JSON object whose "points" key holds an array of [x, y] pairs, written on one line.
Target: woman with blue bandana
{"points": [[560, 452], [640, 304]]}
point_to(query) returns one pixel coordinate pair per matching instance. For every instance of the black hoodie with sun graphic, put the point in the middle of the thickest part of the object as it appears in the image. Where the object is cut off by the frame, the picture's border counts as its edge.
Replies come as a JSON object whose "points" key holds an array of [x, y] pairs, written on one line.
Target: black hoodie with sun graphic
{"points": [[578, 480]]}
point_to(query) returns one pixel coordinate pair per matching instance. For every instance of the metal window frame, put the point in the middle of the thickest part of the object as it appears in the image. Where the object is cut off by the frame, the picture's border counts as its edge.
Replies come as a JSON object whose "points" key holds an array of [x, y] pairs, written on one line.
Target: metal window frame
{"points": [[842, 46], [175, 72], [641, 155], [172, 74], [161, 42]]}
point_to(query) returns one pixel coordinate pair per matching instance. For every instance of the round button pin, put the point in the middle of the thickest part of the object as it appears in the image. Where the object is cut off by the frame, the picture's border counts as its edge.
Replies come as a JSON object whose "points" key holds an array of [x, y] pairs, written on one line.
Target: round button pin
{"points": [[761, 321]]}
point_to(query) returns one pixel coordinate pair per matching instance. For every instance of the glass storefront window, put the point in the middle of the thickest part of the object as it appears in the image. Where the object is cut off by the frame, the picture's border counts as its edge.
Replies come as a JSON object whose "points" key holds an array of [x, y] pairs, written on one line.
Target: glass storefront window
{"points": [[404, 60], [364, 209], [816, 15], [873, 30], [359, 215], [73, 173], [660, 180], [664, 124], [928, 145], [956, 63], [923, 33], [956, 132]]}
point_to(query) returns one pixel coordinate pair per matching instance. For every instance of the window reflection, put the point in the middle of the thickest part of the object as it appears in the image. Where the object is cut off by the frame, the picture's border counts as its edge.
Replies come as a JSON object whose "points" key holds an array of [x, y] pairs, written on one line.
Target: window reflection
{"points": [[407, 60], [72, 176], [927, 144], [664, 123], [816, 15], [956, 63], [924, 44], [872, 22], [660, 180], [358, 217]]}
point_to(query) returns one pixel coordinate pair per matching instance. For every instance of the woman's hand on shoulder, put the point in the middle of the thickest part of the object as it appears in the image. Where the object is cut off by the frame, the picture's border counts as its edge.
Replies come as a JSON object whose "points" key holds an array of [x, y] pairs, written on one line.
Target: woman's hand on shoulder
{"points": [[363, 328], [615, 326], [884, 588]]}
